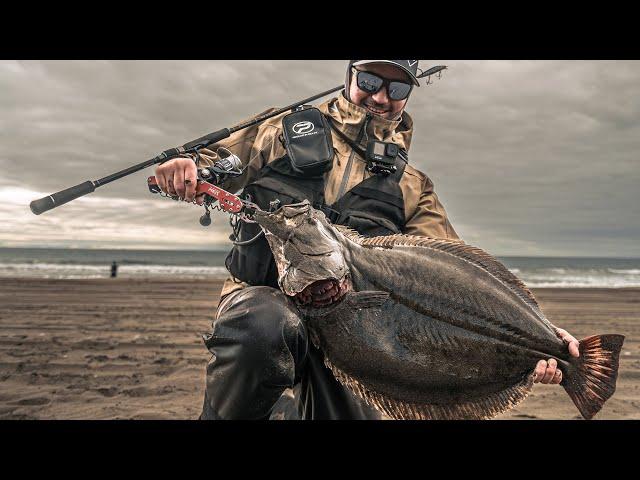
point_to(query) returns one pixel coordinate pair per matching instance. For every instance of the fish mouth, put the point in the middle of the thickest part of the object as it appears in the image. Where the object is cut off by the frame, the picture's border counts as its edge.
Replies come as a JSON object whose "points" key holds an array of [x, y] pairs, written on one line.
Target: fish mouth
{"points": [[323, 293]]}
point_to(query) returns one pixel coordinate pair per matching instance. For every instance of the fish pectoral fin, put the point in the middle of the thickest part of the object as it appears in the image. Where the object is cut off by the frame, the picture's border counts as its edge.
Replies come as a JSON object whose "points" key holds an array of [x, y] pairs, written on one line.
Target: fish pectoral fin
{"points": [[368, 299]]}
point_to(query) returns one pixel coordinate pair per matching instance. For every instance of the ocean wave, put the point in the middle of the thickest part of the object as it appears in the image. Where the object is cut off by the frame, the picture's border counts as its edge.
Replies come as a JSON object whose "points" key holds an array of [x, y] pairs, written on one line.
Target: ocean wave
{"points": [[582, 284], [76, 271], [579, 279], [558, 270], [627, 271], [586, 277]]}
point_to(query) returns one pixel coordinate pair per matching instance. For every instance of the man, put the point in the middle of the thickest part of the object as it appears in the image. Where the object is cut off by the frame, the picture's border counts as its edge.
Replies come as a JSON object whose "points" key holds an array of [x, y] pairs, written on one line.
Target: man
{"points": [[259, 345]]}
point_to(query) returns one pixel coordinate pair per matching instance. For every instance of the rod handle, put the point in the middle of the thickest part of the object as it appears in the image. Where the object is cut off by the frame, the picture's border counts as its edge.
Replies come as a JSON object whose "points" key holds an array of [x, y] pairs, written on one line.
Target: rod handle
{"points": [[60, 198]]}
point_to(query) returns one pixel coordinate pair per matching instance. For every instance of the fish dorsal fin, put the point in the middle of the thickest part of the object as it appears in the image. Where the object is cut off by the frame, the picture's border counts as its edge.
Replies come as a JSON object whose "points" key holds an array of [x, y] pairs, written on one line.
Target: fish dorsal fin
{"points": [[350, 233], [458, 248]]}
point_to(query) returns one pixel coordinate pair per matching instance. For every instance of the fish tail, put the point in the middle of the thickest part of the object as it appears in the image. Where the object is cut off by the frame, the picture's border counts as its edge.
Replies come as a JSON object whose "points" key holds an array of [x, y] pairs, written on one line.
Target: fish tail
{"points": [[591, 380]]}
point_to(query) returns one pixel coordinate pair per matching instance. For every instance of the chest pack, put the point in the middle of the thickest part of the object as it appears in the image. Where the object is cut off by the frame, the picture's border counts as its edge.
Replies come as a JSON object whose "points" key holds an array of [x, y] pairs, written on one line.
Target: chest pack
{"points": [[307, 139]]}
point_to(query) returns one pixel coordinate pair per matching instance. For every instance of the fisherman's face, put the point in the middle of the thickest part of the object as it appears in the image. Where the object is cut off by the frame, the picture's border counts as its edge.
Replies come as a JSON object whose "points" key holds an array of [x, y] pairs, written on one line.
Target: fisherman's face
{"points": [[379, 103]]}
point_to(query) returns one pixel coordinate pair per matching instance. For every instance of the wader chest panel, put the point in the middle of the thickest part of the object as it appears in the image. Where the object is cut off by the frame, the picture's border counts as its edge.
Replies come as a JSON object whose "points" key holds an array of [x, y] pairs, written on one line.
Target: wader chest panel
{"points": [[374, 207]]}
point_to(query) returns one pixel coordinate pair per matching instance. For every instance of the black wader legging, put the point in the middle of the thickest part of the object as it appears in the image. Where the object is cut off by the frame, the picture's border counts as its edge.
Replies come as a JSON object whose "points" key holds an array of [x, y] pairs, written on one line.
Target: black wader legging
{"points": [[260, 348]]}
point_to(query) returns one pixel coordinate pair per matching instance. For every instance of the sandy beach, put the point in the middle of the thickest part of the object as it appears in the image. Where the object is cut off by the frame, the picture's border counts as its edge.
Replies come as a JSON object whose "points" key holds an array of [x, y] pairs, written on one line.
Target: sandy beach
{"points": [[131, 348]]}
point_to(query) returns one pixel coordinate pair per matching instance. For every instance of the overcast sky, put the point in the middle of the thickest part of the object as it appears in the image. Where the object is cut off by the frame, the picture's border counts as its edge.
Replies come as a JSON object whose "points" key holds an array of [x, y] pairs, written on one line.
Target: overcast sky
{"points": [[528, 157]]}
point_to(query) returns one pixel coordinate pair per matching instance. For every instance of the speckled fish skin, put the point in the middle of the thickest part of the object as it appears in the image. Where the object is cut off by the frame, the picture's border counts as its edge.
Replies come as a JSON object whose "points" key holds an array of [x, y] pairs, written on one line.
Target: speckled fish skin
{"points": [[448, 331], [433, 329]]}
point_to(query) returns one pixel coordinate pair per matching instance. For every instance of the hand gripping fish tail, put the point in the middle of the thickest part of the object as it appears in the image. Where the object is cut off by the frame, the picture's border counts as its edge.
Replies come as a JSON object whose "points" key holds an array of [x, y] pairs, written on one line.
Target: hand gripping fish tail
{"points": [[425, 328], [590, 380]]}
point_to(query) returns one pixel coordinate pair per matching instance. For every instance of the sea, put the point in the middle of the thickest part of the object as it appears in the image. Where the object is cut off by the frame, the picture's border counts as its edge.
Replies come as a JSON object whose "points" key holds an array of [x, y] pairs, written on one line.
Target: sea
{"points": [[536, 272]]}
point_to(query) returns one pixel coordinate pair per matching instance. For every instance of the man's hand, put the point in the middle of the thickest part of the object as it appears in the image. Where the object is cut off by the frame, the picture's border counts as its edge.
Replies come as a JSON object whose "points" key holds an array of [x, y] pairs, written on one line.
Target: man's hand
{"points": [[548, 371], [179, 177]]}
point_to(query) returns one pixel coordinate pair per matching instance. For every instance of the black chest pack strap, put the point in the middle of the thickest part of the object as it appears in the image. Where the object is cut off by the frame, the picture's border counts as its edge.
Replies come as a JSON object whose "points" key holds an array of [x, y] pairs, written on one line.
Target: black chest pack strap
{"points": [[359, 150]]}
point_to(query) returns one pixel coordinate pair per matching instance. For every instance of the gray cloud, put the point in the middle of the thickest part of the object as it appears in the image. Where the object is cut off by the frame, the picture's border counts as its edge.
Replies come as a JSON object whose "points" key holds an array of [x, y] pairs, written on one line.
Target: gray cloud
{"points": [[529, 157]]}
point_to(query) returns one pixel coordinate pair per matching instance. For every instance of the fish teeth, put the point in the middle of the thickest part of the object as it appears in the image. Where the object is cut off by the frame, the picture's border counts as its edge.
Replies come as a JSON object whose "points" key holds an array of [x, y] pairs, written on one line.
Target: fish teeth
{"points": [[323, 292], [319, 287], [328, 293], [322, 303]]}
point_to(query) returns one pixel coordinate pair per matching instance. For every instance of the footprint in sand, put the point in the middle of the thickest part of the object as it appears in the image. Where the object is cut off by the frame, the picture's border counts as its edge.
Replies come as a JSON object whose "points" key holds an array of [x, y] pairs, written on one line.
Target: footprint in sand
{"points": [[164, 361], [97, 358], [125, 357], [33, 401], [108, 392], [147, 392]]}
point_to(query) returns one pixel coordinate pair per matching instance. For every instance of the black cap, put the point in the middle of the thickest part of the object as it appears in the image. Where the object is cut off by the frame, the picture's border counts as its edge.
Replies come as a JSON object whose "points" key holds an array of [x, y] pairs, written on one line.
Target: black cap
{"points": [[409, 66]]}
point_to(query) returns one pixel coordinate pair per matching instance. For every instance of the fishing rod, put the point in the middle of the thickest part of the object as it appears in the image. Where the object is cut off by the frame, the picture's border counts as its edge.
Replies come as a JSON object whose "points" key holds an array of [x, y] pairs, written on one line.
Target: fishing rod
{"points": [[54, 200]]}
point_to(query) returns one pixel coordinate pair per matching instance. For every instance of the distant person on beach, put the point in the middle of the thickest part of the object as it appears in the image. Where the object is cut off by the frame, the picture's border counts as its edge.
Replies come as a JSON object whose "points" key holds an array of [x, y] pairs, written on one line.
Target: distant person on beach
{"points": [[259, 344], [114, 269]]}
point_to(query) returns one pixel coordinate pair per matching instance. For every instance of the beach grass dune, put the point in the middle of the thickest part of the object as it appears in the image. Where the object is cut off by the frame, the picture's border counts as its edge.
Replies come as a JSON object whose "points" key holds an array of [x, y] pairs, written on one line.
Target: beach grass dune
{"points": [[131, 348]]}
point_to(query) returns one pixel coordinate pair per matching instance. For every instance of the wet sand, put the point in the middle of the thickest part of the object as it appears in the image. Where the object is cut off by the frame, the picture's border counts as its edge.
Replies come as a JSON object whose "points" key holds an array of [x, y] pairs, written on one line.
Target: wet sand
{"points": [[131, 349]]}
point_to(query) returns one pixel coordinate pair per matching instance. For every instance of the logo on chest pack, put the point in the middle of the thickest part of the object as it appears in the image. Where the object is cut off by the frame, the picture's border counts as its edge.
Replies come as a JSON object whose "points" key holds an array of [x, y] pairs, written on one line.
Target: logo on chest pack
{"points": [[301, 128]]}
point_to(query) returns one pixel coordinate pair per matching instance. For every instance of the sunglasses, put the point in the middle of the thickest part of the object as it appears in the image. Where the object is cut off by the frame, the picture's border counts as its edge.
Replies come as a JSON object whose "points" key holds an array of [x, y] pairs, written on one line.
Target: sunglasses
{"points": [[371, 83]]}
